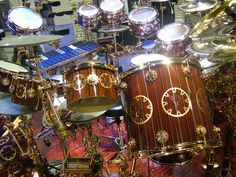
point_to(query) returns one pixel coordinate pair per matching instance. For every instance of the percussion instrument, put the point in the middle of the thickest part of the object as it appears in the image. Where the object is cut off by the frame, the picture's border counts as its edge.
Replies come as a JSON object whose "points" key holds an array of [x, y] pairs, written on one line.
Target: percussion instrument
{"points": [[90, 87], [7, 71], [173, 39], [29, 40], [88, 16], [24, 19], [166, 107], [143, 22], [9, 108], [25, 91], [112, 11]]}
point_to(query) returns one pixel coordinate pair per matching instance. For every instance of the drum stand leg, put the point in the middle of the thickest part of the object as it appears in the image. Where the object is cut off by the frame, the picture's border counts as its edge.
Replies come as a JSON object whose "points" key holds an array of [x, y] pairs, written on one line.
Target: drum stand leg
{"points": [[211, 164], [162, 8]]}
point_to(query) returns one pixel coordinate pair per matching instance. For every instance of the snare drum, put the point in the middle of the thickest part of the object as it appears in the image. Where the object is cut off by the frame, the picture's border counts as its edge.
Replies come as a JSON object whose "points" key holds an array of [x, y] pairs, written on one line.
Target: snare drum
{"points": [[7, 71], [166, 107], [88, 16], [24, 19], [91, 87], [174, 39], [143, 22], [112, 11], [25, 92]]}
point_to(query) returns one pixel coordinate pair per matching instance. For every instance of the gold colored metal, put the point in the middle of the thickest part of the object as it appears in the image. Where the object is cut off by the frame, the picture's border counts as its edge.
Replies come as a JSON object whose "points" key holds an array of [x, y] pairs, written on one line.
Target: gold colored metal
{"points": [[123, 85], [78, 82], [202, 102], [151, 76], [201, 132], [92, 79], [141, 109], [169, 96], [162, 137], [211, 86], [14, 168], [207, 20], [31, 93], [8, 152], [186, 70], [223, 55], [20, 91], [5, 81], [106, 80], [4, 140]]}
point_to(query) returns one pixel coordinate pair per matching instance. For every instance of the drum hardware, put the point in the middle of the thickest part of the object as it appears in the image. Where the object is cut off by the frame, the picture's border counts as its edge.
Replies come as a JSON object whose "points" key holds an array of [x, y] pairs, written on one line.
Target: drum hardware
{"points": [[206, 22], [186, 69], [162, 137], [201, 132]]}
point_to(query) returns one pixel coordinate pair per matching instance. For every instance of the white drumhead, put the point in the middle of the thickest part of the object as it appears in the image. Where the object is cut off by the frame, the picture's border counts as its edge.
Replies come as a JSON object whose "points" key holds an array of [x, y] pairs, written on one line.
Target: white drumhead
{"points": [[60, 102], [58, 77], [87, 10], [111, 5], [143, 14], [146, 58], [173, 32], [12, 67], [25, 18]]}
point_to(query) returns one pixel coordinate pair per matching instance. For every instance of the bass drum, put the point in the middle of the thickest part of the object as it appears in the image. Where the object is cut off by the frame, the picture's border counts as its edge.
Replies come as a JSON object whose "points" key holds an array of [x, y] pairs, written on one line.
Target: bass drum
{"points": [[7, 71], [90, 87], [112, 12], [22, 19], [88, 16], [167, 111], [173, 39]]}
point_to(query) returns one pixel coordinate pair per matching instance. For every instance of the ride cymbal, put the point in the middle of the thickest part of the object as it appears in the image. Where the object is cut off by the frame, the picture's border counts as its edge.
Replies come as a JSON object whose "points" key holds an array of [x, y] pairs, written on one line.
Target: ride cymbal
{"points": [[223, 55]]}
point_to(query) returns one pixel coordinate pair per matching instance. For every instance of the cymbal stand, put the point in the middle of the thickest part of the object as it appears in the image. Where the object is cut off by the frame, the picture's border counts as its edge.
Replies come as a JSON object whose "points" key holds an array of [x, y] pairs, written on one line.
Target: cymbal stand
{"points": [[48, 104]]}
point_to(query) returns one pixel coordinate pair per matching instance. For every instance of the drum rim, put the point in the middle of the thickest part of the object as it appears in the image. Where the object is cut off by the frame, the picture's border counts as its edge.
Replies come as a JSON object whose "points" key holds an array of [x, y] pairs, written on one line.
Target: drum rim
{"points": [[186, 36], [97, 13], [158, 63], [9, 71], [109, 12], [187, 10], [143, 22], [10, 22], [87, 64]]}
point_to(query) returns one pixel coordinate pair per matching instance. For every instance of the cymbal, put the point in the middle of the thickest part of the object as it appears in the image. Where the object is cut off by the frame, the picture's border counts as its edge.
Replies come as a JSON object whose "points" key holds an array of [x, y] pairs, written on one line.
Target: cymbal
{"points": [[225, 41], [223, 55], [112, 29], [205, 22], [9, 108], [30, 40], [198, 6]]}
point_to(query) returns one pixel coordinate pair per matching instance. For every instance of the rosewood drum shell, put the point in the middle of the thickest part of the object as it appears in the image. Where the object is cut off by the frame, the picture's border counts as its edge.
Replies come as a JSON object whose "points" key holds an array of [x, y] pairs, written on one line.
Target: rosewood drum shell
{"points": [[173, 39], [172, 102], [92, 87], [25, 92], [112, 12], [143, 22]]}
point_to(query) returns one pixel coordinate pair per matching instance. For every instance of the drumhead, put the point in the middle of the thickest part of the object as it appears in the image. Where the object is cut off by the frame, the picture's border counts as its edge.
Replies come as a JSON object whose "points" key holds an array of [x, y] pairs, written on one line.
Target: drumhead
{"points": [[87, 10], [208, 67], [173, 32], [146, 58], [12, 67], [143, 14], [25, 18], [111, 5]]}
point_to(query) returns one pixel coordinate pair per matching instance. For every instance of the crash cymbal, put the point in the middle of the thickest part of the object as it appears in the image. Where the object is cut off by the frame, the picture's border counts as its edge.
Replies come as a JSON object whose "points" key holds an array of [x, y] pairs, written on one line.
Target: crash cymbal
{"points": [[229, 29], [227, 41], [9, 108], [207, 20], [223, 55], [198, 6], [30, 40], [112, 29]]}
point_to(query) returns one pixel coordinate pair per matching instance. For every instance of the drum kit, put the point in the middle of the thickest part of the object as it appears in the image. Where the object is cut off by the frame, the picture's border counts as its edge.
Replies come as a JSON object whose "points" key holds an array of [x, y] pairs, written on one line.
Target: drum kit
{"points": [[164, 96]]}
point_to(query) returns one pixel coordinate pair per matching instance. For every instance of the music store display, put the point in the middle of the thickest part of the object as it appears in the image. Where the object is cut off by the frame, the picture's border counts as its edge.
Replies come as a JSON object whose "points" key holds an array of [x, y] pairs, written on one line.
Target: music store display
{"points": [[167, 97]]}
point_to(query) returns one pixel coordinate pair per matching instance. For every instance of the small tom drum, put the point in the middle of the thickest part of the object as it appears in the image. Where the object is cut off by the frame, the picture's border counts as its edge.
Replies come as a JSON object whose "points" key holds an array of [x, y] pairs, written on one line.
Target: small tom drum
{"points": [[112, 11], [91, 87], [174, 39], [24, 19], [7, 71], [25, 92], [88, 16], [143, 22]]}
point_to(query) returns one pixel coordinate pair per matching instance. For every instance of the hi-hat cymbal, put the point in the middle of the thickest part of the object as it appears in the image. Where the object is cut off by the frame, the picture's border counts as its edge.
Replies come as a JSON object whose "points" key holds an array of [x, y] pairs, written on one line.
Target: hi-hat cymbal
{"points": [[205, 22], [198, 6], [112, 29], [225, 41], [30, 40], [9, 108], [223, 55]]}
